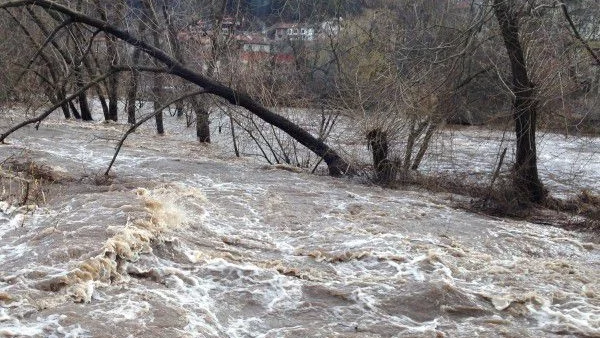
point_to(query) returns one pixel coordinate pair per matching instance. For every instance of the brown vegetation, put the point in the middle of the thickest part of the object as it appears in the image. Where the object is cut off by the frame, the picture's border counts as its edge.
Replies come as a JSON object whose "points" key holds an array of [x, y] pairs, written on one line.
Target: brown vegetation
{"points": [[580, 213], [399, 70], [27, 182]]}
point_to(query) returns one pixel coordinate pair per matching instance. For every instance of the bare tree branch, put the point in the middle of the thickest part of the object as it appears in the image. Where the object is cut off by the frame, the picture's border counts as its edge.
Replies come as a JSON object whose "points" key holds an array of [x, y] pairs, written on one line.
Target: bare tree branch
{"points": [[48, 40], [337, 166], [145, 119], [565, 11], [57, 105]]}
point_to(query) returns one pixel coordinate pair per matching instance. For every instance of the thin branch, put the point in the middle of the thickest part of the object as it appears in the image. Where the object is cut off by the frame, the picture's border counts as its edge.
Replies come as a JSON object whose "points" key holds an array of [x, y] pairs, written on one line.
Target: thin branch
{"points": [[40, 24], [48, 40], [565, 11], [146, 118], [57, 105], [472, 77], [337, 165]]}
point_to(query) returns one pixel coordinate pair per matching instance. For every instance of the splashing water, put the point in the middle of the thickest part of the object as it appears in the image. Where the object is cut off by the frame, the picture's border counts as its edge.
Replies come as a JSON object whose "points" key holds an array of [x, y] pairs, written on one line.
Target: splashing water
{"points": [[187, 243]]}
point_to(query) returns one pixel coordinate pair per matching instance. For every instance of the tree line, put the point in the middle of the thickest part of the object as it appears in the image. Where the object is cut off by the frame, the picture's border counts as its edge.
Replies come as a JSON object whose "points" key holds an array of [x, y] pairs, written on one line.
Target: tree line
{"points": [[403, 69]]}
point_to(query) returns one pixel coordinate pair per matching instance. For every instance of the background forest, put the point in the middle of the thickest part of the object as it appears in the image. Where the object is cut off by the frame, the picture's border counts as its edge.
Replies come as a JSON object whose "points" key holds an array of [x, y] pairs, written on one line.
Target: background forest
{"points": [[391, 74]]}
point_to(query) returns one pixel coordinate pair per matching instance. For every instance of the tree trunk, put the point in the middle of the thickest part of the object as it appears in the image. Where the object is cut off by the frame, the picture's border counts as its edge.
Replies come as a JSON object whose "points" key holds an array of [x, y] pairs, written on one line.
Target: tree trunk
{"points": [[179, 109], [202, 126], [66, 111], [131, 97], [102, 100], [385, 169], [97, 88], [202, 115], [158, 94], [526, 177], [112, 58], [158, 86], [160, 128], [424, 145], [132, 88], [73, 108], [112, 82], [64, 107], [336, 164], [113, 98], [86, 114]]}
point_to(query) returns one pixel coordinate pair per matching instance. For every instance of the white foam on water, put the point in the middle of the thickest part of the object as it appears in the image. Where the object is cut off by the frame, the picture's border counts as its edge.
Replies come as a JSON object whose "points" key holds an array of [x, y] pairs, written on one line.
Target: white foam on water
{"points": [[579, 317], [130, 310], [213, 247], [47, 327]]}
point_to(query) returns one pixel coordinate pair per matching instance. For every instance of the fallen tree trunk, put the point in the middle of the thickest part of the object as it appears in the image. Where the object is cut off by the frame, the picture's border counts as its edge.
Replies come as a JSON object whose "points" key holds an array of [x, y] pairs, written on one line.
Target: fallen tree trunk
{"points": [[336, 165]]}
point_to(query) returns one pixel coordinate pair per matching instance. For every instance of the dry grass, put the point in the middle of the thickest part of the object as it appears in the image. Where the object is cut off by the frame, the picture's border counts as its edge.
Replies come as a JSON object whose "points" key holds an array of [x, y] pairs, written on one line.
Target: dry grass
{"points": [[25, 182], [584, 209]]}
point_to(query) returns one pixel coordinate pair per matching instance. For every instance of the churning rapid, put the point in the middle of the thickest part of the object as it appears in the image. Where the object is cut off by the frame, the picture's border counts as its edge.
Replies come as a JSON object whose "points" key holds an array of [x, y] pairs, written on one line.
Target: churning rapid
{"points": [[184, 241]]}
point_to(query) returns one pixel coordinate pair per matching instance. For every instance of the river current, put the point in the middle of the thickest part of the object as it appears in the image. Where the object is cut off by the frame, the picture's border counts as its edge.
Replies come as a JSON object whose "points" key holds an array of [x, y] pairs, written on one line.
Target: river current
{"points": [[186, 241]]}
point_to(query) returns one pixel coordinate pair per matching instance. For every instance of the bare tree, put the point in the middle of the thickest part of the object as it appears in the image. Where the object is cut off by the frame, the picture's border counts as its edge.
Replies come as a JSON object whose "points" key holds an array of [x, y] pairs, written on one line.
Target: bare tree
{"points": [[394, 72], [337, 166], [525, 104]]}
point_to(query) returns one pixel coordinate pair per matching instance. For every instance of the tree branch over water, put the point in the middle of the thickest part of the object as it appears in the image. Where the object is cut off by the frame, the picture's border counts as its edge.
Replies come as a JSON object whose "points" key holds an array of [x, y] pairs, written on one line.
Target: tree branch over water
{"points": [[145, 119], [337, 166], [57, 105]]}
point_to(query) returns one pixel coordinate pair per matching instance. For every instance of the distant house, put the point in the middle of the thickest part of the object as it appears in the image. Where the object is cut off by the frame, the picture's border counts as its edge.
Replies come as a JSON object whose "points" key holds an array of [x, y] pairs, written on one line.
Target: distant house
{"points": [[194, 33], [293, 31], [202, 29], [331, 27], [99, 43], [256, 48], [254, 43]]}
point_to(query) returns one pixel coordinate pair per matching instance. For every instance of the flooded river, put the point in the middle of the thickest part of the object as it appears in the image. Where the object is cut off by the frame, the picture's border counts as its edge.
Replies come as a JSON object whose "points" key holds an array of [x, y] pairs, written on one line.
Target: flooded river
{"points": [[187, 241]]}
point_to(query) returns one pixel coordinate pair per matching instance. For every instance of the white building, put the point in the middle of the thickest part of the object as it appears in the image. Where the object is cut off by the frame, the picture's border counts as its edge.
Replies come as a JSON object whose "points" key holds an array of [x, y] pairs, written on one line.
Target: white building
{"points": [[294, 31]]}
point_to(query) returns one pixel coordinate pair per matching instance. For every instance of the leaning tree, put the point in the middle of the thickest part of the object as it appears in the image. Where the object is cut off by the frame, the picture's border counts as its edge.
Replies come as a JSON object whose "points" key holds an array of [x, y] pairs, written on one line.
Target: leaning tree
{"points": [[424, 51], [337, 165]]}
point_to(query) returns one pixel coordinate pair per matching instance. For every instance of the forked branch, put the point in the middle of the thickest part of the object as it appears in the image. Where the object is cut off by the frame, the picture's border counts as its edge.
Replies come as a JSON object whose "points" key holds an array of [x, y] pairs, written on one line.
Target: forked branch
{"points": [[337, 166], [578, 36]]}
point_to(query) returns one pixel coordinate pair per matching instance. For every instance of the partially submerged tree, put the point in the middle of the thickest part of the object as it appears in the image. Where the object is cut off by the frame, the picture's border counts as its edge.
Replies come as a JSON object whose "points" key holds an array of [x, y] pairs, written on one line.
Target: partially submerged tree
{"points": [[397, 72], [525, 104], [337, 166]]}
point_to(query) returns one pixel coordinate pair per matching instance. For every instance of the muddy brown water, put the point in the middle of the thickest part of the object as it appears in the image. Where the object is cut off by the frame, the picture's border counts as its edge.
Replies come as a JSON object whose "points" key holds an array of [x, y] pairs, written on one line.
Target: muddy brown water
{"points": [[184, 241]]}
